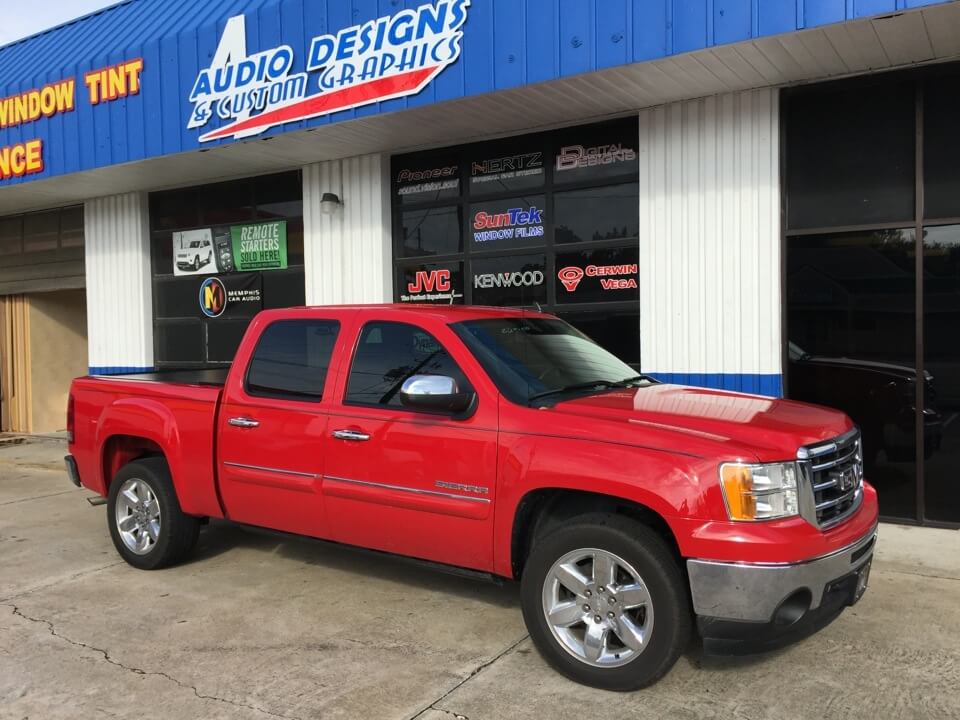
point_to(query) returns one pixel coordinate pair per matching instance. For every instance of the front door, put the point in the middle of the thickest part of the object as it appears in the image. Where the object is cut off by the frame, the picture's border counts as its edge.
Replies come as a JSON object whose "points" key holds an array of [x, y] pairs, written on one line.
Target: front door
{"points": [[273, 430], [413, 483]]}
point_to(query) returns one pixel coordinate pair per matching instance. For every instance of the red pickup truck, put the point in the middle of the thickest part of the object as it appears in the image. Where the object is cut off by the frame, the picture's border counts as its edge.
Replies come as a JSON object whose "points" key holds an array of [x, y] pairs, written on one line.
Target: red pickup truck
{"points": [[505, 442]]}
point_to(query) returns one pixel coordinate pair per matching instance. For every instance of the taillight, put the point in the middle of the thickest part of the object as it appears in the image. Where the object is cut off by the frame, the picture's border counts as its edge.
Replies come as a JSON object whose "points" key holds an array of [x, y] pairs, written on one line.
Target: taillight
{"points": [[71, 418]]}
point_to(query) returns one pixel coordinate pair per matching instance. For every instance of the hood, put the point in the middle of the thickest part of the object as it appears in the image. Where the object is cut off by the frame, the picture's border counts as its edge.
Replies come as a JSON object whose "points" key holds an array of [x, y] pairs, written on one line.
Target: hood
{"points": [[700, 421]]}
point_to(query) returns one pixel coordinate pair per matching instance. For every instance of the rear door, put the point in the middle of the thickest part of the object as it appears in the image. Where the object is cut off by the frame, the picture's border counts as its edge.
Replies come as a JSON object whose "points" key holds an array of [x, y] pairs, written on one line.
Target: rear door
{"points": [[414, 483], [273, 428]]}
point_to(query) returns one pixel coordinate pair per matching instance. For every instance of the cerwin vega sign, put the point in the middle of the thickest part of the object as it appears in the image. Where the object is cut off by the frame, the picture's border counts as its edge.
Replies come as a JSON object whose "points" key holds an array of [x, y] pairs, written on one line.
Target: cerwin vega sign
{"points": [[390, 57]]}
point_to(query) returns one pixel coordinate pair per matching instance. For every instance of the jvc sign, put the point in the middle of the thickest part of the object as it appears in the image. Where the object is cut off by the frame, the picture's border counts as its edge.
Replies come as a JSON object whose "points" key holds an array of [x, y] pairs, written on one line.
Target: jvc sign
{"points": [[390, 57]]}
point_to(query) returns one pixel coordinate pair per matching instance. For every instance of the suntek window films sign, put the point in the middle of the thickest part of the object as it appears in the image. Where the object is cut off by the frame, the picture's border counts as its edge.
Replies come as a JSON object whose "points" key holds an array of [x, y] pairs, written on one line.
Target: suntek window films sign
{"points": [[260, 246], [515, 222], [391, 57]]}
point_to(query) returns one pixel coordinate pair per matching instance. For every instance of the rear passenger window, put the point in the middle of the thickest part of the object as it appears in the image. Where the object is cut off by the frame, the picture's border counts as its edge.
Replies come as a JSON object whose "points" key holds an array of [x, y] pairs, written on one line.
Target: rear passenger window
{"points": [[387, 354], [292, 359]]}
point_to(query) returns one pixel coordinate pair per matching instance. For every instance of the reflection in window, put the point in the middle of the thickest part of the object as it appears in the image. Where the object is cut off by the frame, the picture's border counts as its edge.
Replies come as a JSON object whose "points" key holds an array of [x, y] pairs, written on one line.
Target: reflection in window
{"points": [[292, 358], [851, 323], [595, 214], [431, 232]]}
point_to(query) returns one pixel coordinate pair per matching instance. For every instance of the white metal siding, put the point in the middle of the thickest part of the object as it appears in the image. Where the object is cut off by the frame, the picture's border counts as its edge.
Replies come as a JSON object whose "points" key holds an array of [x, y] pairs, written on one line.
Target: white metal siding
{"points": [[710, 241], [347, 254], [119, 295]]}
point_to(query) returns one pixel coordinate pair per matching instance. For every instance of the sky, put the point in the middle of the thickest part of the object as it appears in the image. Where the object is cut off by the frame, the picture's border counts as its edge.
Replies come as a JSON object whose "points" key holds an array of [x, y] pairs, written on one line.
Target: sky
{"points": [[21, 19]]}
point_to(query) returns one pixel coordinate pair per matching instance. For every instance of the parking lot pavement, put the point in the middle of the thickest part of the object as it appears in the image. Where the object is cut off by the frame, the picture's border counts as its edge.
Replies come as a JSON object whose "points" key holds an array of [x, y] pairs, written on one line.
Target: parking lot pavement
{"points": [[261, 626]]}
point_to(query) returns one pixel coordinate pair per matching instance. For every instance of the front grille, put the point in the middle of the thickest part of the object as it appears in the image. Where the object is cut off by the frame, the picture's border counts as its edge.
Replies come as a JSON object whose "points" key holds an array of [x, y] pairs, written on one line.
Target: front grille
{"points": [[835, 473]]}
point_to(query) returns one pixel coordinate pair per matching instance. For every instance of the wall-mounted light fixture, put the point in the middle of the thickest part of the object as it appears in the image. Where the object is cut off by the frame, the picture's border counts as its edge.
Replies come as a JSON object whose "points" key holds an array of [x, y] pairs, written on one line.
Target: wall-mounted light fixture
{"points": [[330, 203]]}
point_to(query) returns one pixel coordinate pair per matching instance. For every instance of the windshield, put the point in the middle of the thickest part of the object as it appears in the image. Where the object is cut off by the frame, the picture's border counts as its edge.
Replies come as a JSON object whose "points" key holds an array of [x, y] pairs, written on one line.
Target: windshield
{"points": [[529, 358], [194, 243]]}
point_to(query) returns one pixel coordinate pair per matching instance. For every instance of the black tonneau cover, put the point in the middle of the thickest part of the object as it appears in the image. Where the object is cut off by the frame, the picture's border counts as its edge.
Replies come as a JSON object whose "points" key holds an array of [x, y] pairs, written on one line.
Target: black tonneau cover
{"points": [[213, 378]]}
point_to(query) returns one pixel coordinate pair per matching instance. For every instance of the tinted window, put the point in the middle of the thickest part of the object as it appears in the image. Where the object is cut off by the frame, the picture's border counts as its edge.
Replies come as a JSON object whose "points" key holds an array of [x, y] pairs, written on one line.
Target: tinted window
{"points": [[389, 353], [431, 232], [511, 223], [850, 155], [603, 213], [514, 280], [941, 152], [602, 275], [292, 358], [618, 332]]}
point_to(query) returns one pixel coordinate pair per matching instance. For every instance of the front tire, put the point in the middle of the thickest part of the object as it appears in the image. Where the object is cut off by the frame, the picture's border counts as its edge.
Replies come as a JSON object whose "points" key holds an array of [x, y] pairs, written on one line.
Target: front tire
{"points": [[147, 526], [605, 602]]}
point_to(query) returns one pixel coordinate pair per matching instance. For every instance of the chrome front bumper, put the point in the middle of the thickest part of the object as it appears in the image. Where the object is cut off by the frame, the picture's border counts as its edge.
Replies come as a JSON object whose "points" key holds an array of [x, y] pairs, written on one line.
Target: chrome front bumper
{"points": [[753, 592]]}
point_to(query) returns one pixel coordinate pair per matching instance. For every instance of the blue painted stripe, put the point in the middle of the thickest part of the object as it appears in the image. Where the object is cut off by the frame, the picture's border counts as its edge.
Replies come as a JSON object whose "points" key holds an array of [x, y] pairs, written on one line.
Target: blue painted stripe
{"points": [[117, 370], [755, 383]]}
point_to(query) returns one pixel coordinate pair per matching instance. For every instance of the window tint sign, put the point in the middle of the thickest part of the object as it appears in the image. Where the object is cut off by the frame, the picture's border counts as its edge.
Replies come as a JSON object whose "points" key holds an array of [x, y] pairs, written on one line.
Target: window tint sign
{"points": [[259, 246], [390, 57], [432, 284], [598, 276], [517, 222]]}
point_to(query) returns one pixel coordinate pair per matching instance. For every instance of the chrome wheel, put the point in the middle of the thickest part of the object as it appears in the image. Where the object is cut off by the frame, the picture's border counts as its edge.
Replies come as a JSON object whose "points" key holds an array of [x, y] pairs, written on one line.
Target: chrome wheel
{"points": [[598, 607], [138, 516]]}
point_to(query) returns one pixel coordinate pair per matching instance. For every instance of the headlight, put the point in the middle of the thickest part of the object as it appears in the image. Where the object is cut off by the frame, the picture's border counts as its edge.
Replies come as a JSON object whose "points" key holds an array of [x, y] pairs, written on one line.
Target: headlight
{"points": [[760, 492]]}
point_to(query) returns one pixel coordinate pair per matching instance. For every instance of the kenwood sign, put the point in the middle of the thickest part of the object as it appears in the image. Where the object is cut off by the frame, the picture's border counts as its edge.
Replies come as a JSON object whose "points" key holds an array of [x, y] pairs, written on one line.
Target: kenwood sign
{"points": [[390, 57]]}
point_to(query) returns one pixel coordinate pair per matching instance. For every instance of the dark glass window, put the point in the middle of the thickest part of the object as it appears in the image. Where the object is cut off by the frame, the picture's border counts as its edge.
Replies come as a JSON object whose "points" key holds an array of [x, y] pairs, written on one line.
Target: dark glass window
{"points": [[941, 150], [595, 214], [600, 275], [507, 166], [850, 154], [596, 152], [427, 177], [941, 320], [223, 339], [431, 283], [511, 223], [514, 280], [71, 227], [851, 323], [292, 358], [435, 231], [182, 341], [41, 231], [387, 355]]}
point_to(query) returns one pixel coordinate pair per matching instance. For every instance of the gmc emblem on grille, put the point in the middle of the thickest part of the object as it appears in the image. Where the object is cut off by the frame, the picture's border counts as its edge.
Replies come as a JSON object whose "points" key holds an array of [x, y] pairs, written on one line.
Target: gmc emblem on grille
{"points": [[846, 479]]}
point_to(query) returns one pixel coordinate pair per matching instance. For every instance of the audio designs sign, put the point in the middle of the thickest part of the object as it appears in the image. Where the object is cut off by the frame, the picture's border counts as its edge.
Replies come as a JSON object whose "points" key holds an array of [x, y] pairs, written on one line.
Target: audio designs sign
{"points": [[391, 57]]}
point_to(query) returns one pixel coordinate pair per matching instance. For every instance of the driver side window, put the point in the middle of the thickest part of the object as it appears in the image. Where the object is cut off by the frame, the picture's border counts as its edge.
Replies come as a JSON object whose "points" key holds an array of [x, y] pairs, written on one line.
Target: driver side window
{"points": [[387, 354]]}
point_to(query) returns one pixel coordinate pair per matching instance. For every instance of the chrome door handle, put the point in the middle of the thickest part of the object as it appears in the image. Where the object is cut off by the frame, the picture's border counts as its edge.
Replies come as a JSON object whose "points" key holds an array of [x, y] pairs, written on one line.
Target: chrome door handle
{"points": [[354, 435], [243, 422]]}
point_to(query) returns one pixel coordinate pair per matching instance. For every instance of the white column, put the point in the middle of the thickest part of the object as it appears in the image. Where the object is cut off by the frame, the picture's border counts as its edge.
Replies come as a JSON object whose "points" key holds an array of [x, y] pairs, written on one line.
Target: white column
{"points": [[119, 292], [348, 254], [710, 242]]}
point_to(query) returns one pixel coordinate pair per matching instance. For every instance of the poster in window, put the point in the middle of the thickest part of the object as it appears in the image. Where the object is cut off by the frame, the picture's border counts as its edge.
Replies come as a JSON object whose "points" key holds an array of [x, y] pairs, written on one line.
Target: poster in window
{"points": [[231, 296], [603, 275], [256, 246], [431, 283], [509, 281], [193, 253]]}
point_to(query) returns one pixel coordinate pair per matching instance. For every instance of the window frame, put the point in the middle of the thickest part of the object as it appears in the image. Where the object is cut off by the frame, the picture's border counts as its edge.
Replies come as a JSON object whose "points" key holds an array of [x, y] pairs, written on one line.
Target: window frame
{"points": [[281, 395]]}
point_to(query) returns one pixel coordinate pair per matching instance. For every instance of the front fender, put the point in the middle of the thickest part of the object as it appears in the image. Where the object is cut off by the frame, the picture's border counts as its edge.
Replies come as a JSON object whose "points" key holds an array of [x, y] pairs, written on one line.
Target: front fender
{"points": [[670, 484]]}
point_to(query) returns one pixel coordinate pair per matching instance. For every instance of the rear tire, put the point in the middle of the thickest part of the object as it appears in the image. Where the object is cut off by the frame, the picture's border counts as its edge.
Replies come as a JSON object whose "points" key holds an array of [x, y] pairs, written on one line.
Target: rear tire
{"points": [[147, 526], [585, 630]]}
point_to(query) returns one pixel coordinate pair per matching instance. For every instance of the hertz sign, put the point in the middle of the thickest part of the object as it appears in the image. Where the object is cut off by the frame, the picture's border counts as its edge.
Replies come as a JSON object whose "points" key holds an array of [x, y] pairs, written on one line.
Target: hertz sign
{"points": [[103, 85]]}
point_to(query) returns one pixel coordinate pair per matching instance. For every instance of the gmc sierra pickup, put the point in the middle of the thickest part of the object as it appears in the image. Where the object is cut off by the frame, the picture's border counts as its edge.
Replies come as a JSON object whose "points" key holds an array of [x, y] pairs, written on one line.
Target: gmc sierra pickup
{"points": [[505, 442]]}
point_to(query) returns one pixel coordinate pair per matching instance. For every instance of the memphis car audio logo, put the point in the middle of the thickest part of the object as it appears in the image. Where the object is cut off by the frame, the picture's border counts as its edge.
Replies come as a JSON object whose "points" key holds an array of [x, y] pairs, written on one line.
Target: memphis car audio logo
{"points": [[391, 57], [213, 297]]}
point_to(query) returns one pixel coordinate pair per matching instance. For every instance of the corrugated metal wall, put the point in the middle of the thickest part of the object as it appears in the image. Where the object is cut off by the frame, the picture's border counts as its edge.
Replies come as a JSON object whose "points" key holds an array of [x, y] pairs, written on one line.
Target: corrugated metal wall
{"points": [[347, 254], [710, 242], [119, 294]]}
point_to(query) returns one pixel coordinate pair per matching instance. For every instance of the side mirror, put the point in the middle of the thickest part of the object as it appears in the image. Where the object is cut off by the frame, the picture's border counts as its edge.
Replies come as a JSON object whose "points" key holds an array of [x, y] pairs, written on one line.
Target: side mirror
{"points": [[436, 393]]}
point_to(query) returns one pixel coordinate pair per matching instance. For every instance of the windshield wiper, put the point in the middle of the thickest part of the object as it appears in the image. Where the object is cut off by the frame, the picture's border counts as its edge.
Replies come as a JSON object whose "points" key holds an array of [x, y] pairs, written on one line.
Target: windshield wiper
{"points": [[627, 382], [593, 385]]}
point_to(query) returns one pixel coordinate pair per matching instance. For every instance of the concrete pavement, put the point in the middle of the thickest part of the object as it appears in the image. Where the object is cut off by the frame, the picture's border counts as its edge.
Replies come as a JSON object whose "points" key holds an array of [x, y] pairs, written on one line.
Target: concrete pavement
{"points": [[260, 626]]}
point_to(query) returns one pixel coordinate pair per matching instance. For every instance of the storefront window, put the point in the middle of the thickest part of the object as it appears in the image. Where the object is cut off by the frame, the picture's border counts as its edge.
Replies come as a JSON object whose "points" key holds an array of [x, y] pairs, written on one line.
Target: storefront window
{"points": [[548, 220], [221, 253]]}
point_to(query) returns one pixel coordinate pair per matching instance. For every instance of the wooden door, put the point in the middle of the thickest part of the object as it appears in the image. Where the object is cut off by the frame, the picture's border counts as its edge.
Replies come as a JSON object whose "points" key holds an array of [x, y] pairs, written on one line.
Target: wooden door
{"points": [[15, 415]]}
